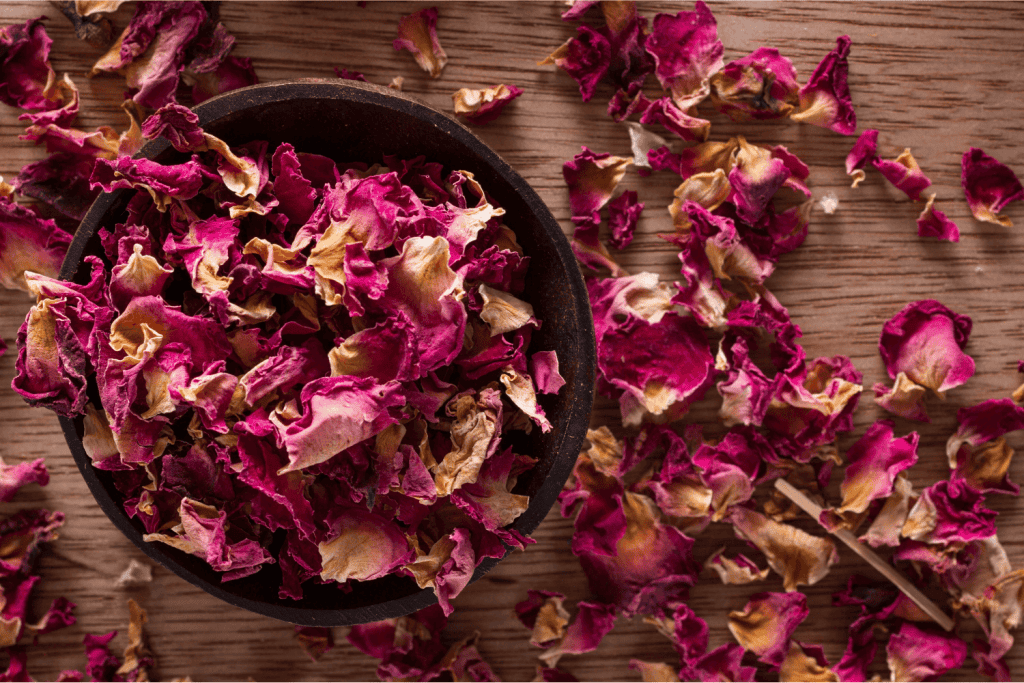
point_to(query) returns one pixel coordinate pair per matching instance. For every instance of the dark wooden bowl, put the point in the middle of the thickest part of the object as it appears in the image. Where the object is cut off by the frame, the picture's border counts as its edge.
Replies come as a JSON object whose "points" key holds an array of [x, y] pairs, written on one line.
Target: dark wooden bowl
{"points": [[352, 122]]}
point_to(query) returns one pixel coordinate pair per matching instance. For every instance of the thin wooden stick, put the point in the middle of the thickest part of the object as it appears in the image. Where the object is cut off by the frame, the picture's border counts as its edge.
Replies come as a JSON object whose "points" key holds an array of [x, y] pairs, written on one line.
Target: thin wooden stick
{"points": [[872, 558]]}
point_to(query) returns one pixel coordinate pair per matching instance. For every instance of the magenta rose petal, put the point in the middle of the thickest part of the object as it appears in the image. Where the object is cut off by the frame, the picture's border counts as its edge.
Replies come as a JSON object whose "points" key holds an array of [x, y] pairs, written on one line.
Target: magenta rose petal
{"points": [[925, 341], [989, 186], [825, 98]]}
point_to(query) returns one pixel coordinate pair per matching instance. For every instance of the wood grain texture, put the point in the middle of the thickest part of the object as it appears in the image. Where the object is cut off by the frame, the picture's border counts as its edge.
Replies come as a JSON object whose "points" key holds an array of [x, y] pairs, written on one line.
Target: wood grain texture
{"points": [[935, 77]]}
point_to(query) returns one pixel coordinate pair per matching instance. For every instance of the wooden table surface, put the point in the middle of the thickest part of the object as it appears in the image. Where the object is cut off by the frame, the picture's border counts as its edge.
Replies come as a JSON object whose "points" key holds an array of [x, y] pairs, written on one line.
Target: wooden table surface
{"points": [[935, 77]]}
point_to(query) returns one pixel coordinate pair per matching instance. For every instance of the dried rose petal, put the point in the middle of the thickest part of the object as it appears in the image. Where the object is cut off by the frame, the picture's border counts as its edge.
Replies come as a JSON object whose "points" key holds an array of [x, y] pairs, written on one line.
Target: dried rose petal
{"points": [[984, 422], [735, 571], [825, 99], [933, 223], [760, 86], [585, 57], [989, 186], [13, 477], [151, 50], [25, 73], [674, 119], [985, 467], [766, 624], [584, 633], [983, 582], [687, 53], [800, 558], [885, 529], [28, 242], [925, 340], [651, 564], [904, 173], [874, 461], [408, 647], [623, 214], [947, 513], [864, 151], [417, 33], [483, 106], [922, 654], [806, 663], [592, 178], [905, 398], [542, 612], [315, 641], [654, 671]]}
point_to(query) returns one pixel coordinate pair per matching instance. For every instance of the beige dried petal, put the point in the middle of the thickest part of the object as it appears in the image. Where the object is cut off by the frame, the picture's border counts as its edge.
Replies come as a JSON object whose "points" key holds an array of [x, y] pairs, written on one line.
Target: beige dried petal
{"points": [[136, 648], [641, 142], [709, 189], [472, 430], [605, 450], [97, 439], [799, 557], [504, 312], [552, 618], [425, 568], [921, 520], [520, 390], [732, 572], [654, 671], [799, 666], [885, 529], [87, 8]]}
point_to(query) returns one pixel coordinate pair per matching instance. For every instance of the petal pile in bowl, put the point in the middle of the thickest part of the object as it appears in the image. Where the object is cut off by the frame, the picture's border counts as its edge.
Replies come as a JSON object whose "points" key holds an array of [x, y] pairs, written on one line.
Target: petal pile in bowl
{"points": [[319, 365]]}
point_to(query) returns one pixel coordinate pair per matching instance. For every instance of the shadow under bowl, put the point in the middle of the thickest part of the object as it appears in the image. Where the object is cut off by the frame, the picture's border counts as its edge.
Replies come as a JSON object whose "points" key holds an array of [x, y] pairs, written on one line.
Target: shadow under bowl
{"points": [[350, 122]]}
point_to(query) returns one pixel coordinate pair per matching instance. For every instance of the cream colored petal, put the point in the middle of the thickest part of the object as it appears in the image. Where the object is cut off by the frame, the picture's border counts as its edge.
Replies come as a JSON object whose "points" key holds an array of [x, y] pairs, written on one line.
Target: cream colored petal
{"points": [[504, 312]]}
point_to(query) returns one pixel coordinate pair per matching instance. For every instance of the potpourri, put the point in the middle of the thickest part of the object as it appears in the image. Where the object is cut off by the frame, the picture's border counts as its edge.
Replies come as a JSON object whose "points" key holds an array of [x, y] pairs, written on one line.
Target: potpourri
{"points": [[638, 502]]}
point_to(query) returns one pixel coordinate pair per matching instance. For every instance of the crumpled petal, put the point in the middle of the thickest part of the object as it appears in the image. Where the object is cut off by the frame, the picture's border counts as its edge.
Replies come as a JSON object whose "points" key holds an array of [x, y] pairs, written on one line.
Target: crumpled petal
{"points": [[989, 186], [946, 513], [825, 98], [735, 571], [766, 624], [28, 242], [363, 546], [151, 51], [806, 663], [933, 223], [203, 532], [925, 340], [25, 73], [315, 641], [760, 86], [623, 214], [799, 557], [687, 127], [904, 173], [592, 178], [483, 105], [905, 398], [864, 151], [687, 53], [13, 477], [337, 412], [923, 654], [417, 33], [873, 463], [593, 620], [985, 467], [983, 422], [585, 57]]}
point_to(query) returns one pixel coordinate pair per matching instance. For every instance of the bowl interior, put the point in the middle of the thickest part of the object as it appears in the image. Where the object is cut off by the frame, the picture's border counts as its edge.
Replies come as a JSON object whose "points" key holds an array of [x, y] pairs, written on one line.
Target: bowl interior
{"points": [[350, 122]]}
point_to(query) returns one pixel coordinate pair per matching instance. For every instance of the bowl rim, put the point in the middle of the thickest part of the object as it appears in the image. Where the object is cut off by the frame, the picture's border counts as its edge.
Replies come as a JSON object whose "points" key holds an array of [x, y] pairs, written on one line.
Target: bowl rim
{"points": [[577, 421]]}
